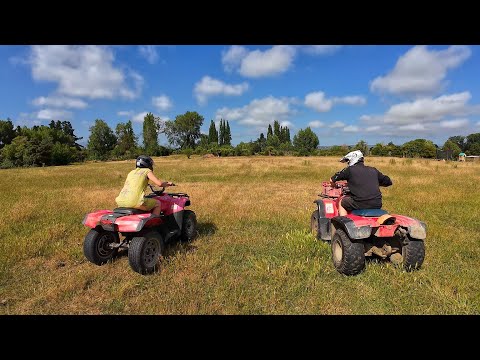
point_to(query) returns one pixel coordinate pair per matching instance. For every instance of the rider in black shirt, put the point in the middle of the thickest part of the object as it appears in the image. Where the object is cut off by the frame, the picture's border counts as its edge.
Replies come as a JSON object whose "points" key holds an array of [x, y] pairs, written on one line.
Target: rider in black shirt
{"points": [[363, 183]]}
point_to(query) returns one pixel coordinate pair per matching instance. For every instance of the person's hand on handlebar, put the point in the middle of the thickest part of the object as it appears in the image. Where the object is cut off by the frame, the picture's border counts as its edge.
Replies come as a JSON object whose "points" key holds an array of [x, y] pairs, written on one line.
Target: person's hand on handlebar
{"points": [[167, 183]]}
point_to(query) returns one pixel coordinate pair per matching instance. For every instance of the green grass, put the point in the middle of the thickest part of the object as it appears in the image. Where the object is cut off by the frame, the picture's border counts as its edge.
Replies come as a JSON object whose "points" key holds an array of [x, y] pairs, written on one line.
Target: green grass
{"points": [[255, 253]]}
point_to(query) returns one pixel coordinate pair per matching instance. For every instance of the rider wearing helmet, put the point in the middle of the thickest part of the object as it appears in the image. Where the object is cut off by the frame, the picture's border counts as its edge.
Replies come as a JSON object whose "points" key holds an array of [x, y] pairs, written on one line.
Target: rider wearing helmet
{"points": [[363, 183], [133, 192]]}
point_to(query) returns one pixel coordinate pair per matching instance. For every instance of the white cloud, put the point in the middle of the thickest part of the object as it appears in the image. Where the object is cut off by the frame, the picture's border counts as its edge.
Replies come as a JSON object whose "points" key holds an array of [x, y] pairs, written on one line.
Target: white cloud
{"points": [[60, 101], [287, 123], [319, 102], [412, 127], [232, 58], [478, 123], [162, 102], [54, 114], [257, 63], [209, 86], [273, 61], [316, 124], [428, 109], [321, 49], [421, 71], [139, 117], [125, 113], [270, 62], [351, 100], [337, 124], [83, 71], [149, 52], [259, 113], [351, 128], [454, 124], [372, 128]]}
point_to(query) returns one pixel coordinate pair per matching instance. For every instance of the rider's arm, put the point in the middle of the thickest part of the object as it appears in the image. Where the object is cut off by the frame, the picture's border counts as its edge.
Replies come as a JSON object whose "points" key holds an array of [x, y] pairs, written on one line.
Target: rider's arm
{"points": [[341, 175], [157, 182], [384, 180]]}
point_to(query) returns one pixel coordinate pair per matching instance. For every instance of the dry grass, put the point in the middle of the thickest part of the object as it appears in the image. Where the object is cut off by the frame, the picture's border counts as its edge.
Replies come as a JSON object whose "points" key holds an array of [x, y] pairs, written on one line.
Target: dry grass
{"points": [[255, 254]]}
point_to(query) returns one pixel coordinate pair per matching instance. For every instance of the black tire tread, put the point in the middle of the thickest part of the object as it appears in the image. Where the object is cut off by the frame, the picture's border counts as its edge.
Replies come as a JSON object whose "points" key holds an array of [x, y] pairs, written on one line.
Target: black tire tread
{"points": [[414, 254], [186, 236], [135, 249], [89, 248], [353, 261]]}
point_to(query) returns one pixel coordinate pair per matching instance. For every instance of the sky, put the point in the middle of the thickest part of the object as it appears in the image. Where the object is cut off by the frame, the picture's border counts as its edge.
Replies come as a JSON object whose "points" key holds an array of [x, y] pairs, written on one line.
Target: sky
{"points": [[375, 93]]}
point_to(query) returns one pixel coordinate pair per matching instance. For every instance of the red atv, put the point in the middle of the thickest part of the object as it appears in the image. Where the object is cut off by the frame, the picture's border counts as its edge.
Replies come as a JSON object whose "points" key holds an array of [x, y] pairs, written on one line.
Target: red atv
{"points": [[144, 234], [366, 233]]}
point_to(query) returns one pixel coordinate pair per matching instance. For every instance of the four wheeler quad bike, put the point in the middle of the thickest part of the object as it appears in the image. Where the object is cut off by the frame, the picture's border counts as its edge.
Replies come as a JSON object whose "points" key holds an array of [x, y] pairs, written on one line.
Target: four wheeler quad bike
{"points": [[144, 234], [366, 233]]}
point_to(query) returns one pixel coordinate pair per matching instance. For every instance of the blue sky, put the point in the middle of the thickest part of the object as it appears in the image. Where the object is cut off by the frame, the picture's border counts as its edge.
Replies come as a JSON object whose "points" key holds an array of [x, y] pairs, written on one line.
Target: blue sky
{"points": [[344, 93]]}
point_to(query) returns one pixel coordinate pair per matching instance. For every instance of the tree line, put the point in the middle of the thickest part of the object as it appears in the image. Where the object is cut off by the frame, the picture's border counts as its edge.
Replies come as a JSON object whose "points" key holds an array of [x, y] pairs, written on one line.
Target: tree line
{"points": [[56, 143]]}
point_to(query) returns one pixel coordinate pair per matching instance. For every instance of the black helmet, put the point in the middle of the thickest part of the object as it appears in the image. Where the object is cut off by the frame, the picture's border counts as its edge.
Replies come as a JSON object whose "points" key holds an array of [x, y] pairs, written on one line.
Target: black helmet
{"points": [[144, 161]]}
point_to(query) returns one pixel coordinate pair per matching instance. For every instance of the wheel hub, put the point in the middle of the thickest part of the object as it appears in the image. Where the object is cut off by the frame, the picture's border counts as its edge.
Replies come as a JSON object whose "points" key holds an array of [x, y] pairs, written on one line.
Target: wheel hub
{"points": [[337, 252]]}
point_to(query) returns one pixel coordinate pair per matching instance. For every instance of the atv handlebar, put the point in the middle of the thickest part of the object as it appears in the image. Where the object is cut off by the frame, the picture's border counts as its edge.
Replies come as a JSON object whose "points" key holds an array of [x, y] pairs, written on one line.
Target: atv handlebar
{"points": [[158, 192]]}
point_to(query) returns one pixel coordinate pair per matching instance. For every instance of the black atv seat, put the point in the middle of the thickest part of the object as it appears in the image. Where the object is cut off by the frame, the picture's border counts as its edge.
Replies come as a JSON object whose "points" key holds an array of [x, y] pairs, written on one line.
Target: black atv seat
{"points": [[129, 211], [369, 212]]}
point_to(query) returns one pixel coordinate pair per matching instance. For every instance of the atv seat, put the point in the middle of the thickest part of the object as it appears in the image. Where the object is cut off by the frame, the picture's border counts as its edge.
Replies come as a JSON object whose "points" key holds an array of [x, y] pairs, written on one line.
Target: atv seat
{"points": [[129, 211], [369, 212]]}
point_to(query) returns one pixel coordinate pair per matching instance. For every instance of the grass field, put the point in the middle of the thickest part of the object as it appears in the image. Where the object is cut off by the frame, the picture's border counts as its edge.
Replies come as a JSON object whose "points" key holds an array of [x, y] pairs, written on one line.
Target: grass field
{"points": [[255, 253]]}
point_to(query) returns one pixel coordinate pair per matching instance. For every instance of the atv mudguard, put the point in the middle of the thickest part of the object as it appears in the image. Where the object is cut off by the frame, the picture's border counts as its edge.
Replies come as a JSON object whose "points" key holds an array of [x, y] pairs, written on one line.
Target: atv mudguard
{"points": [[323, 221], [348, 225]]}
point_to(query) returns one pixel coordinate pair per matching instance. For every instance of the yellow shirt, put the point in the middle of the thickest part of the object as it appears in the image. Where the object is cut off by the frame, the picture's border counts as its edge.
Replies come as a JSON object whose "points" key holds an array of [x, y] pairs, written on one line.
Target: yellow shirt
{"points": [[134, 189]]}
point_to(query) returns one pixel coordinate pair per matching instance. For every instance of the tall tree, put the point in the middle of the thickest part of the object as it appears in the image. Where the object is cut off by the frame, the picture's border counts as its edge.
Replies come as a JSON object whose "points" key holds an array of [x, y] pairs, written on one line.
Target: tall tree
{"points": [[221, 133], [420, 148], [450, 145], [276, 129], [184, 130], [305, 141], [228, 135], [269, 131], [126, 139], [102, 140], [212, 133], [7, 133], [151, 129], [362, 146], [473, 143], [460, 140]]}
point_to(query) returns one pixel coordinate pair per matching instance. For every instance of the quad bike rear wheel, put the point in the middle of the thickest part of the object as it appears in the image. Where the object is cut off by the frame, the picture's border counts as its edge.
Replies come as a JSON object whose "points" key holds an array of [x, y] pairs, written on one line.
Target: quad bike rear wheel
{"points": [[144, 252], [348, 257], [97, 246], [413, 254], [189, 226]]}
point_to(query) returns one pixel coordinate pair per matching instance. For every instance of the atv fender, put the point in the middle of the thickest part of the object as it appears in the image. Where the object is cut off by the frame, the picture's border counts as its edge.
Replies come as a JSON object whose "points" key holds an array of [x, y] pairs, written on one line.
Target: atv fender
{"points": [[348, 225], [418, 231], [323, 222]]}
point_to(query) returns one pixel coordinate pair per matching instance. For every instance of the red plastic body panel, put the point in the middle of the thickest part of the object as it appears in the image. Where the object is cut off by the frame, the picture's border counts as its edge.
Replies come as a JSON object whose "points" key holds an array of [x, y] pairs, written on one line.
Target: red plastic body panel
{"points": [[130, 223], [332, 197]]}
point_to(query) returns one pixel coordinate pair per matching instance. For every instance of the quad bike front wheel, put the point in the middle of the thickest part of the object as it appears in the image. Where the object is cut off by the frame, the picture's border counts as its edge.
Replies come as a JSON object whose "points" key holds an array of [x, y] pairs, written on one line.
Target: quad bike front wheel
{"points": [[144, 252], [413, 255], [97, 246], [189, 226], [315, 228], [348, 257]]}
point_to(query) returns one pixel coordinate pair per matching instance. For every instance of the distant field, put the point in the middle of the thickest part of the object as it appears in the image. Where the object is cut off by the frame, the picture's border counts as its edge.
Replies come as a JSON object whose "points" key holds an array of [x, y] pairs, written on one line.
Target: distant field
{"points": [[255, 253]]}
